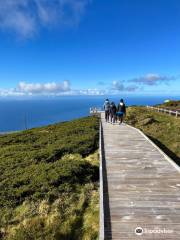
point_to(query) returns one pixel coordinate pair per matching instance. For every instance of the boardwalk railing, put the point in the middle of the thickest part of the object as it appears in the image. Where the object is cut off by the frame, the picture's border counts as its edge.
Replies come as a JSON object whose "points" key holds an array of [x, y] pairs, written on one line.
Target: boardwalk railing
{"points": [[170, 112], [95, 110], [101, 188]]}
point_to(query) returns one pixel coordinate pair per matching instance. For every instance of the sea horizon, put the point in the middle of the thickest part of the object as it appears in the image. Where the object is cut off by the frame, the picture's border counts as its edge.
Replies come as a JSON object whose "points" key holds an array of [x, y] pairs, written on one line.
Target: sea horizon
{"points": [[20, 114]]}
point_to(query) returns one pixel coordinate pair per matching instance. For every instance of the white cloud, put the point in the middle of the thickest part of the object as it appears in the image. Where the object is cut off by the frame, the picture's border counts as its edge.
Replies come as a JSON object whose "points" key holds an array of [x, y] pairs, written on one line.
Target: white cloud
{"points": [[10, 92], [43, 88], [31, 89], [120, 86], [25, 17], [116, 85], [90, 92], [152, 79]]}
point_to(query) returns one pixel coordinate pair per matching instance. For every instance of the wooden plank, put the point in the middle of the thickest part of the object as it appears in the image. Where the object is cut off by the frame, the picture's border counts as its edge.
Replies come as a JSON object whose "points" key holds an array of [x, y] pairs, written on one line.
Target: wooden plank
{"points": [[141, 186]]}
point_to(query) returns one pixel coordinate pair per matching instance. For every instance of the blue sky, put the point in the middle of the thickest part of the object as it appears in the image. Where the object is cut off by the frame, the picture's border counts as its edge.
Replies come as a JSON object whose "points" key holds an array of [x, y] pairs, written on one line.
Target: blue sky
{"points": [[93, 47]]}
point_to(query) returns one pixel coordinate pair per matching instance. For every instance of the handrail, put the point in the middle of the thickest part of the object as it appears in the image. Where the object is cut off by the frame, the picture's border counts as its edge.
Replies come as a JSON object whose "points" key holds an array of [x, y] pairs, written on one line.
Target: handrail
{"points": [[170, 112], [95, 110], [101, 188]]}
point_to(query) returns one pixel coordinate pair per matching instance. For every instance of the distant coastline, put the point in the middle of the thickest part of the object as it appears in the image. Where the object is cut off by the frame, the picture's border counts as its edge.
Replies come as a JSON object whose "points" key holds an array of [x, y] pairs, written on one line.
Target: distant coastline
{"points": [[17, 115]]}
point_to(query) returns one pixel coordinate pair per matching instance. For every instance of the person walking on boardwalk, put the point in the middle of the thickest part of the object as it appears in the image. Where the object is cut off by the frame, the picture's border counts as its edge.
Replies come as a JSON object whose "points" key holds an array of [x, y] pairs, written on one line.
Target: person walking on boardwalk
{"points": [[113, 112], [107, 109], [121, 110]]}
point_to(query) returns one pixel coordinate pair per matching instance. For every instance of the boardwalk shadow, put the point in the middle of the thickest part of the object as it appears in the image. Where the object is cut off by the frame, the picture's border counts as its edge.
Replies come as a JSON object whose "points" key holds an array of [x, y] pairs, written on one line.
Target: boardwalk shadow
{"points": [[166, 150], [107, 217]]}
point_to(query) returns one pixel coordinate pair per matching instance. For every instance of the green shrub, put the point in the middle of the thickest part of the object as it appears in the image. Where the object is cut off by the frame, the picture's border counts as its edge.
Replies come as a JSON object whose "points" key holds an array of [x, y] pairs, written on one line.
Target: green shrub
{"points": [[47, 164]]}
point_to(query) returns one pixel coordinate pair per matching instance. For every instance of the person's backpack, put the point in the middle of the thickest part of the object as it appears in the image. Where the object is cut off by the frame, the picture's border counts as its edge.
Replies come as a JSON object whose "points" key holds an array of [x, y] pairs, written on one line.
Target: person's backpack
{"points": [[107, 106]]}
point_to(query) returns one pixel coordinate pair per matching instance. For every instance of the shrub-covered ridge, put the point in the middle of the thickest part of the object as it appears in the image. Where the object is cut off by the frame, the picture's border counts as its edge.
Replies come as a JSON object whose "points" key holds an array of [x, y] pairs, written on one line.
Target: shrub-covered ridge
{"points": [[48, 182]]}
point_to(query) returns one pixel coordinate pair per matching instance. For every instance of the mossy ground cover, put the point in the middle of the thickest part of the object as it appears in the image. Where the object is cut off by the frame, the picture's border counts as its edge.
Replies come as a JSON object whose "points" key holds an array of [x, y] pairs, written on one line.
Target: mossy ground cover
{"points": [[49, 182], [161, 128]]}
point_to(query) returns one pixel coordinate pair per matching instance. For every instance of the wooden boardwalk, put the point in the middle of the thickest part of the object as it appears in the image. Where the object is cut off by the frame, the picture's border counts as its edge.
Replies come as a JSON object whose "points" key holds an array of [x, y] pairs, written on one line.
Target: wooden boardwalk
{"points": [[141, 187]]}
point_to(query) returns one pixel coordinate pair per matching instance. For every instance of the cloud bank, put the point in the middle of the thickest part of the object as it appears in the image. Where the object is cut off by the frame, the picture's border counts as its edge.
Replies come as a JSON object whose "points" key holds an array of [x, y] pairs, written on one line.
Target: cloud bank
{"points": [[150, 79], [26, 17], [25, 89], [64, 88]]}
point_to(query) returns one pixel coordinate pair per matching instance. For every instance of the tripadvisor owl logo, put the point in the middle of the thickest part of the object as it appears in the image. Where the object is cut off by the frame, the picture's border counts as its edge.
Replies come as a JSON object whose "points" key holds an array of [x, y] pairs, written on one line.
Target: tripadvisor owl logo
{"points": [[139, 231]]}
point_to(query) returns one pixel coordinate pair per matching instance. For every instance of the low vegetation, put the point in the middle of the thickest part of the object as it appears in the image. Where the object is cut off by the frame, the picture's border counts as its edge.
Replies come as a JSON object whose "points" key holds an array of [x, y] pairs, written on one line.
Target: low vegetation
{"points": [[49, 176], [49, 182], [171, 105], [161, 128]]}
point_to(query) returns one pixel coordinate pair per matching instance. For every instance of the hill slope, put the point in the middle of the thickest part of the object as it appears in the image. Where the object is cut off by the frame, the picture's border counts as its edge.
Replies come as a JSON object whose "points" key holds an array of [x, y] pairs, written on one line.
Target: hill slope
{"points": [[171, 105], [48, 182]]}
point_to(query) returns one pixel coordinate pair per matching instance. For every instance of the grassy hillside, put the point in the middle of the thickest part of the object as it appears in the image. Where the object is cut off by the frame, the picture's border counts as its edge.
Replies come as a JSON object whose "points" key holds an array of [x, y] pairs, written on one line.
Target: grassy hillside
{"points": [[163, 129], [49, 182], [172, 105]]}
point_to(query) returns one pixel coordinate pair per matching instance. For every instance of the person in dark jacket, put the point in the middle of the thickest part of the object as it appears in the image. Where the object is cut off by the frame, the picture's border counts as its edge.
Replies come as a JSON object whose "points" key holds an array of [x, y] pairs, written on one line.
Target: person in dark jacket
{"points": [[107, 109], [121, 110], [113, 112]]}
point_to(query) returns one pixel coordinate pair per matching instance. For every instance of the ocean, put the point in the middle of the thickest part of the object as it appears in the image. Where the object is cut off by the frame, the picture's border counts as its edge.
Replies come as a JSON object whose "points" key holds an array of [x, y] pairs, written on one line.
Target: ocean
{"points": [[18, 115]]}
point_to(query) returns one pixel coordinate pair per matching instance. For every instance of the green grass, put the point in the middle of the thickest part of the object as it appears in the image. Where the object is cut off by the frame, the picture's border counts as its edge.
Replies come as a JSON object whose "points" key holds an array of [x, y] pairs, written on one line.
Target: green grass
{"points": [[49, 182], [163, 129]]}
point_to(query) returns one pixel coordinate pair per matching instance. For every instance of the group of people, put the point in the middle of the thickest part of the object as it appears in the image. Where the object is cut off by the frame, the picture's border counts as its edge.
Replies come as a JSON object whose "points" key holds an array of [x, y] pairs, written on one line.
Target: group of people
{"points": [[114, 113]]}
